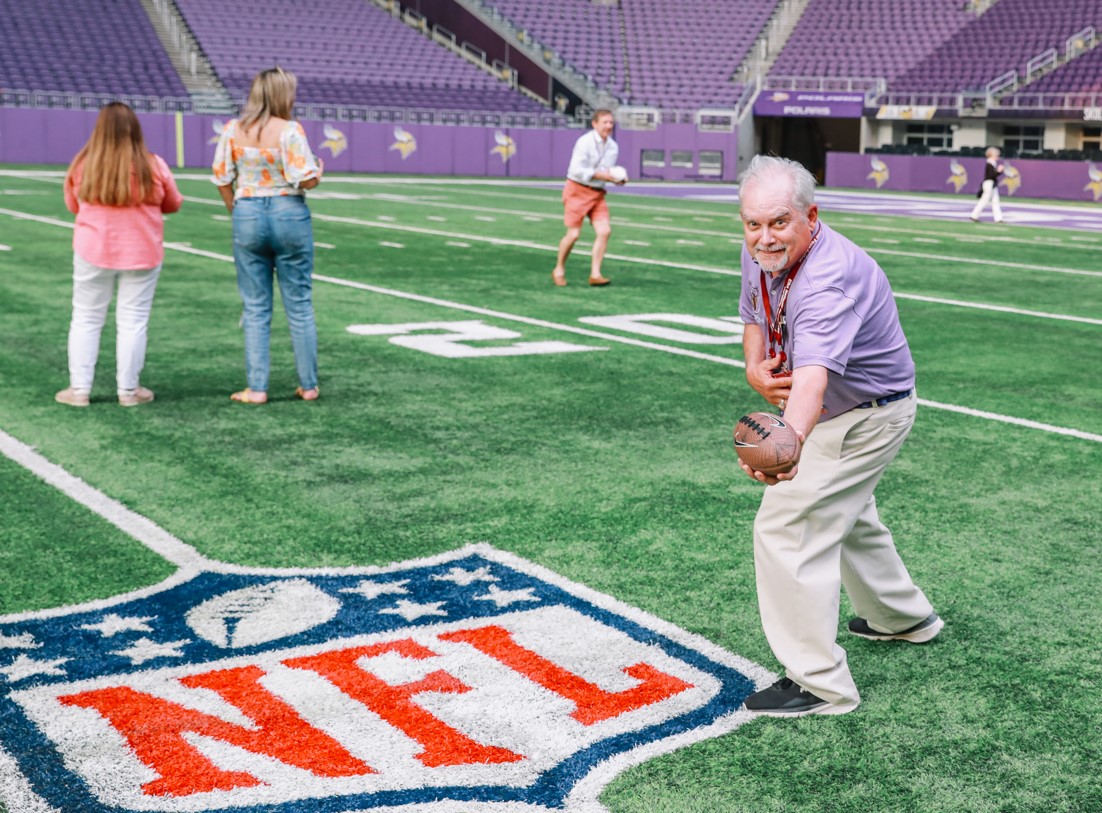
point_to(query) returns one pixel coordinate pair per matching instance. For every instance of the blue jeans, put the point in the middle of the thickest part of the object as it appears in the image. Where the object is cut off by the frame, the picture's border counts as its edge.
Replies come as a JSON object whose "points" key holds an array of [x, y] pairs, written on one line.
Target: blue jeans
{"points": [[274, 236]]}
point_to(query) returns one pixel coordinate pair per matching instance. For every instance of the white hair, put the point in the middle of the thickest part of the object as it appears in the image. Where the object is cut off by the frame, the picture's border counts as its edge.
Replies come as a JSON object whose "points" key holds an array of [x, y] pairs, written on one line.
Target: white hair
{"points": [[803, 182]]}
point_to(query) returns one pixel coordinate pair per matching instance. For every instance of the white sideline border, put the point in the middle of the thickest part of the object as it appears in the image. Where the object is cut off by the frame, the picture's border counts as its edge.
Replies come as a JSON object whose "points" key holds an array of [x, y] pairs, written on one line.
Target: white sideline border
{"points": [[585, 795], [963, 410]]}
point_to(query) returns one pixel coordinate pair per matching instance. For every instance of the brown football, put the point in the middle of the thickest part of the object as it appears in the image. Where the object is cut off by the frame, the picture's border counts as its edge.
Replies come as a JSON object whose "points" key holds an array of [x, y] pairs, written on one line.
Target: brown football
{"points": [[766, 443]]}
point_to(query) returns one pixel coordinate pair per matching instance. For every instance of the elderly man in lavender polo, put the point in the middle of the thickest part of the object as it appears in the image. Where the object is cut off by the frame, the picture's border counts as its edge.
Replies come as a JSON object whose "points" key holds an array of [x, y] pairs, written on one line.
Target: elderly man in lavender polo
{"points": [[591, 165], [823, 343]]}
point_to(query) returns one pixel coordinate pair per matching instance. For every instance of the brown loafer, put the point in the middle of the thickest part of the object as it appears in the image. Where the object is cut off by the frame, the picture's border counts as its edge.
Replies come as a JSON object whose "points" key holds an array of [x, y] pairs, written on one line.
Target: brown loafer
{"points": [[599, 281], [558, 279]]}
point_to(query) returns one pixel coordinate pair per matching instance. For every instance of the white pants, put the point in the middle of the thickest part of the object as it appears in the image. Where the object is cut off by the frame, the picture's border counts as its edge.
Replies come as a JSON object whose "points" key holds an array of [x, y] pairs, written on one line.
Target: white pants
{"points": [[990, 195], [820, 531], [93, 288]]}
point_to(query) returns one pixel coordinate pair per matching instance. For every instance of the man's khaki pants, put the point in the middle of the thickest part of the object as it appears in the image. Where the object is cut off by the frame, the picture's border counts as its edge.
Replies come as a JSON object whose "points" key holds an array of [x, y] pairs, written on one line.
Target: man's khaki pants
{"points": [[820, 531]]}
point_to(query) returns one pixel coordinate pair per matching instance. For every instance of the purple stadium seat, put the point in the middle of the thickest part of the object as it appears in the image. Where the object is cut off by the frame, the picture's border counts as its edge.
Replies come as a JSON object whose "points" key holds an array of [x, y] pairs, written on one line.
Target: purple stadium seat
{"points": [[867, 38], [652, 52], [346, 52], [1003, 39], [87, 46]]}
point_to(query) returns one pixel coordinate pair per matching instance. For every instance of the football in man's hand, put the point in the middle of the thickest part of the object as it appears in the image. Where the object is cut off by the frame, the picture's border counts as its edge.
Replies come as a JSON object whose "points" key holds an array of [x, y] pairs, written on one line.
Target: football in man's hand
{"points": [[618, 174], [766, 443]]}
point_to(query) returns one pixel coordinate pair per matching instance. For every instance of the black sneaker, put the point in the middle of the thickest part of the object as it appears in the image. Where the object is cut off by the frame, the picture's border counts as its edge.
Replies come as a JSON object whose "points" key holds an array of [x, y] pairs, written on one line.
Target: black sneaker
{"points": [[786, 698], [920, 633]]}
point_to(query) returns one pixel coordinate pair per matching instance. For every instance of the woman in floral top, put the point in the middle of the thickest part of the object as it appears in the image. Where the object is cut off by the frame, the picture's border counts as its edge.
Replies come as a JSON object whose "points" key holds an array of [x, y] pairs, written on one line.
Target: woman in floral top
{"points": [[263, 166]]}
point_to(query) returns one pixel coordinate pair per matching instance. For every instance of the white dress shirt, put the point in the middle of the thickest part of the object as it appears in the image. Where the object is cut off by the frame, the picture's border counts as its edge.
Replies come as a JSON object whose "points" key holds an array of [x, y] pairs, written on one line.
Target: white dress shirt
{"points": [[591, 154]]}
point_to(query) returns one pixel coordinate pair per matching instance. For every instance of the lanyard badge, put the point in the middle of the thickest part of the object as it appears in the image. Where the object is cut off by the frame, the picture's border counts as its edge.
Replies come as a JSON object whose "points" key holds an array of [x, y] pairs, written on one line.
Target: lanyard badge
{"points": [[776, 327]]}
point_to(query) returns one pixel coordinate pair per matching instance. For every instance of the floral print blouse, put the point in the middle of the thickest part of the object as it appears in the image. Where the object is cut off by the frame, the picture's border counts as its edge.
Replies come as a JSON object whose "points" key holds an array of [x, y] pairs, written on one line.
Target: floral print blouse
{"points": [[263, 172]]}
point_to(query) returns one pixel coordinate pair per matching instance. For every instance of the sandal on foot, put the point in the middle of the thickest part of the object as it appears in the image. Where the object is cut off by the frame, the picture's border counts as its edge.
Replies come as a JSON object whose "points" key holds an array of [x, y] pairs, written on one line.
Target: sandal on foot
{"points": [[247, 396], [311, 394]]}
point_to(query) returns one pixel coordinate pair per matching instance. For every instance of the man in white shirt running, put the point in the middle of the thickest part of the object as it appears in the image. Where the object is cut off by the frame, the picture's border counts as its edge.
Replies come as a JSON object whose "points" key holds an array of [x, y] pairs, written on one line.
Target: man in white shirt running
{"points": [[594, 155]]}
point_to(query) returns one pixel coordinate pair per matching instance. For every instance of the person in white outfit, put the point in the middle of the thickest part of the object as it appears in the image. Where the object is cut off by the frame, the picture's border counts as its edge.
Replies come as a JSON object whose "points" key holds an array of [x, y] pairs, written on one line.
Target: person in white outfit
{"points": [[592, 165], [989, 189], [119, 192]]}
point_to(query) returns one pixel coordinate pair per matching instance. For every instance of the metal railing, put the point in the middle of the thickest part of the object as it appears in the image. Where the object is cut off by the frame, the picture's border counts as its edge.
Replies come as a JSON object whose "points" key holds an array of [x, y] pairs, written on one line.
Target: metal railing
{"points": [[72, 100], [65, 100], [871, 86]]}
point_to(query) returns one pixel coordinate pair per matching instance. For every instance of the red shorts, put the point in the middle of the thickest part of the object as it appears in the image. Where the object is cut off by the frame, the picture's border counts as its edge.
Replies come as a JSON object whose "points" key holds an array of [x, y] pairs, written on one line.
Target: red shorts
{"points": [[579, 201]]}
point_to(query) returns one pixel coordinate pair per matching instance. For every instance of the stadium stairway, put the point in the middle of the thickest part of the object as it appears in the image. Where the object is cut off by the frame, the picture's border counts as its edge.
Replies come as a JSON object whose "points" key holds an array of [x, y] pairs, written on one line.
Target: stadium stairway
{"points": [[208, 95]]}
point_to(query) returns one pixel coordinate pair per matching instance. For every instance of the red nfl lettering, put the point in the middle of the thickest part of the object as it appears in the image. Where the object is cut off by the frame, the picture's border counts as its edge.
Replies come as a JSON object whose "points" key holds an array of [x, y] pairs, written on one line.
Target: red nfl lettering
{"points": [[154, 727], [593, 703], [443, 744]]}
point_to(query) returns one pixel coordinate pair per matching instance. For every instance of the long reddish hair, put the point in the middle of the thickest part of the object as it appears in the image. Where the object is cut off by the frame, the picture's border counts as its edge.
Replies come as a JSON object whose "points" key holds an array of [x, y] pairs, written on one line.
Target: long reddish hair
{"points": [[117, 166]]}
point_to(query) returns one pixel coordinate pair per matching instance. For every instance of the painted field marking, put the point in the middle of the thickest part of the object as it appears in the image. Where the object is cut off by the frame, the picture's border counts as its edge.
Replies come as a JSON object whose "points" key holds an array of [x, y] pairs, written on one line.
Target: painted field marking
{"points": [[204, 595], [324, 245], [738, 241], [926, 240], [535, 246], [1059, 430], [386, 218], [391, 245], [636, 243], [884, 240], [221, 217], [833, 217], [678, 351], [457, 244], [133, 525], [4, 247], [437, 219], [1088, 216]]}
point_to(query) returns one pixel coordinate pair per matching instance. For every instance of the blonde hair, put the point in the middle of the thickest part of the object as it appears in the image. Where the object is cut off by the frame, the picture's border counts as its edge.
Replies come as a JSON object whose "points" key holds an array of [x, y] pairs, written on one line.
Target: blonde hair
{"points": [[114, 157], [272, 93]]}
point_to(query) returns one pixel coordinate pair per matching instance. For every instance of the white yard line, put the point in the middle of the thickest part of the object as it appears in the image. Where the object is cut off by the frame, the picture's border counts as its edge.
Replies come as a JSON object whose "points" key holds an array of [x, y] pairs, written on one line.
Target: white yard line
{"points": [[1008, 419], [148, 533], [467, 238], [593, 334]]}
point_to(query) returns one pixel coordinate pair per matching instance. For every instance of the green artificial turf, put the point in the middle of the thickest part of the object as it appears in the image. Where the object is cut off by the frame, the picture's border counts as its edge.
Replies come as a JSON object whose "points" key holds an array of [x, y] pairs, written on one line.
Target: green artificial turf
{"points": [[612, 468]]}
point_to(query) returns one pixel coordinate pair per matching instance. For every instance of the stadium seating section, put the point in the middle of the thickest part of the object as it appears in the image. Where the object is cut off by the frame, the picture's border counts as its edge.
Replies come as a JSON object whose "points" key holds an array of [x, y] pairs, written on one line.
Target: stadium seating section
{"points": [[87, 46], [1003, 39], [651, 52], [343, 52], [868, 38]]}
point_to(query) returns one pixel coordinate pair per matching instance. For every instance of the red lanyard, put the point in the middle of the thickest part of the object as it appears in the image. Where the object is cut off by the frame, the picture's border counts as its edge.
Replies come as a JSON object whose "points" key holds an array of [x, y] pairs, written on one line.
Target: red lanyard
{"points": [[776, 328]]}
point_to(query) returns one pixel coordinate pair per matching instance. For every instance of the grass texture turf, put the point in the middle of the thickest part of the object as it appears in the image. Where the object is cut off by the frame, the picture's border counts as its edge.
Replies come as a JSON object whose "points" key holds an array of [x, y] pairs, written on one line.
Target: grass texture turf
{"points": [[611, 467]]}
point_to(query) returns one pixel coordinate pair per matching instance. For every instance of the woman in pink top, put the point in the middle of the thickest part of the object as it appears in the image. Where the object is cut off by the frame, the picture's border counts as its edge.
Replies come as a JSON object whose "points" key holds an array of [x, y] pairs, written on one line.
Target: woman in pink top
{"points": [[119, 191]]}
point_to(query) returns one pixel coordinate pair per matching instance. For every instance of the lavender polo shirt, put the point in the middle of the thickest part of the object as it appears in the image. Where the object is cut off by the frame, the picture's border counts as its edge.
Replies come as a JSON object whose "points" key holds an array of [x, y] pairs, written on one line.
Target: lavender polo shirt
{"points": [[842, 316]]}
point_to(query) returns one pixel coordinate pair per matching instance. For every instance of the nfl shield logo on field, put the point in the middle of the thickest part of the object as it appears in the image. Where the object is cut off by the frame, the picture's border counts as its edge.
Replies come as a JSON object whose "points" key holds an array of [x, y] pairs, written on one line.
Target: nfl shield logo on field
{"points": [[474, 681]]}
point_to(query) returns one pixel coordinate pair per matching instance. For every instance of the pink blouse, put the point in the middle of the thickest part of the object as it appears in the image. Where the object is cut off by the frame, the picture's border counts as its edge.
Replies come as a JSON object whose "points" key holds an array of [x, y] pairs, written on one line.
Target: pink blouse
{"points": [[123, 238]]}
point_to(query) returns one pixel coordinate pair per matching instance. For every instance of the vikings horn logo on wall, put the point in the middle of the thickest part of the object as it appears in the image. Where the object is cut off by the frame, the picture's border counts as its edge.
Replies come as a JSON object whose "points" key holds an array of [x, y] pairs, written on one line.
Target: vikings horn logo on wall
{"points": [[506, 147], [474, 681], [404, 142], [335, 140], [879, 173]]}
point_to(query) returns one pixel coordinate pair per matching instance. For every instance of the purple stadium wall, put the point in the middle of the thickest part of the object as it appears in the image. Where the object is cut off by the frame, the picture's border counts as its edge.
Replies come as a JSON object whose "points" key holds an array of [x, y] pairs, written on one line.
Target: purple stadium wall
{"points": [[53, 137], [1024, 178]]}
